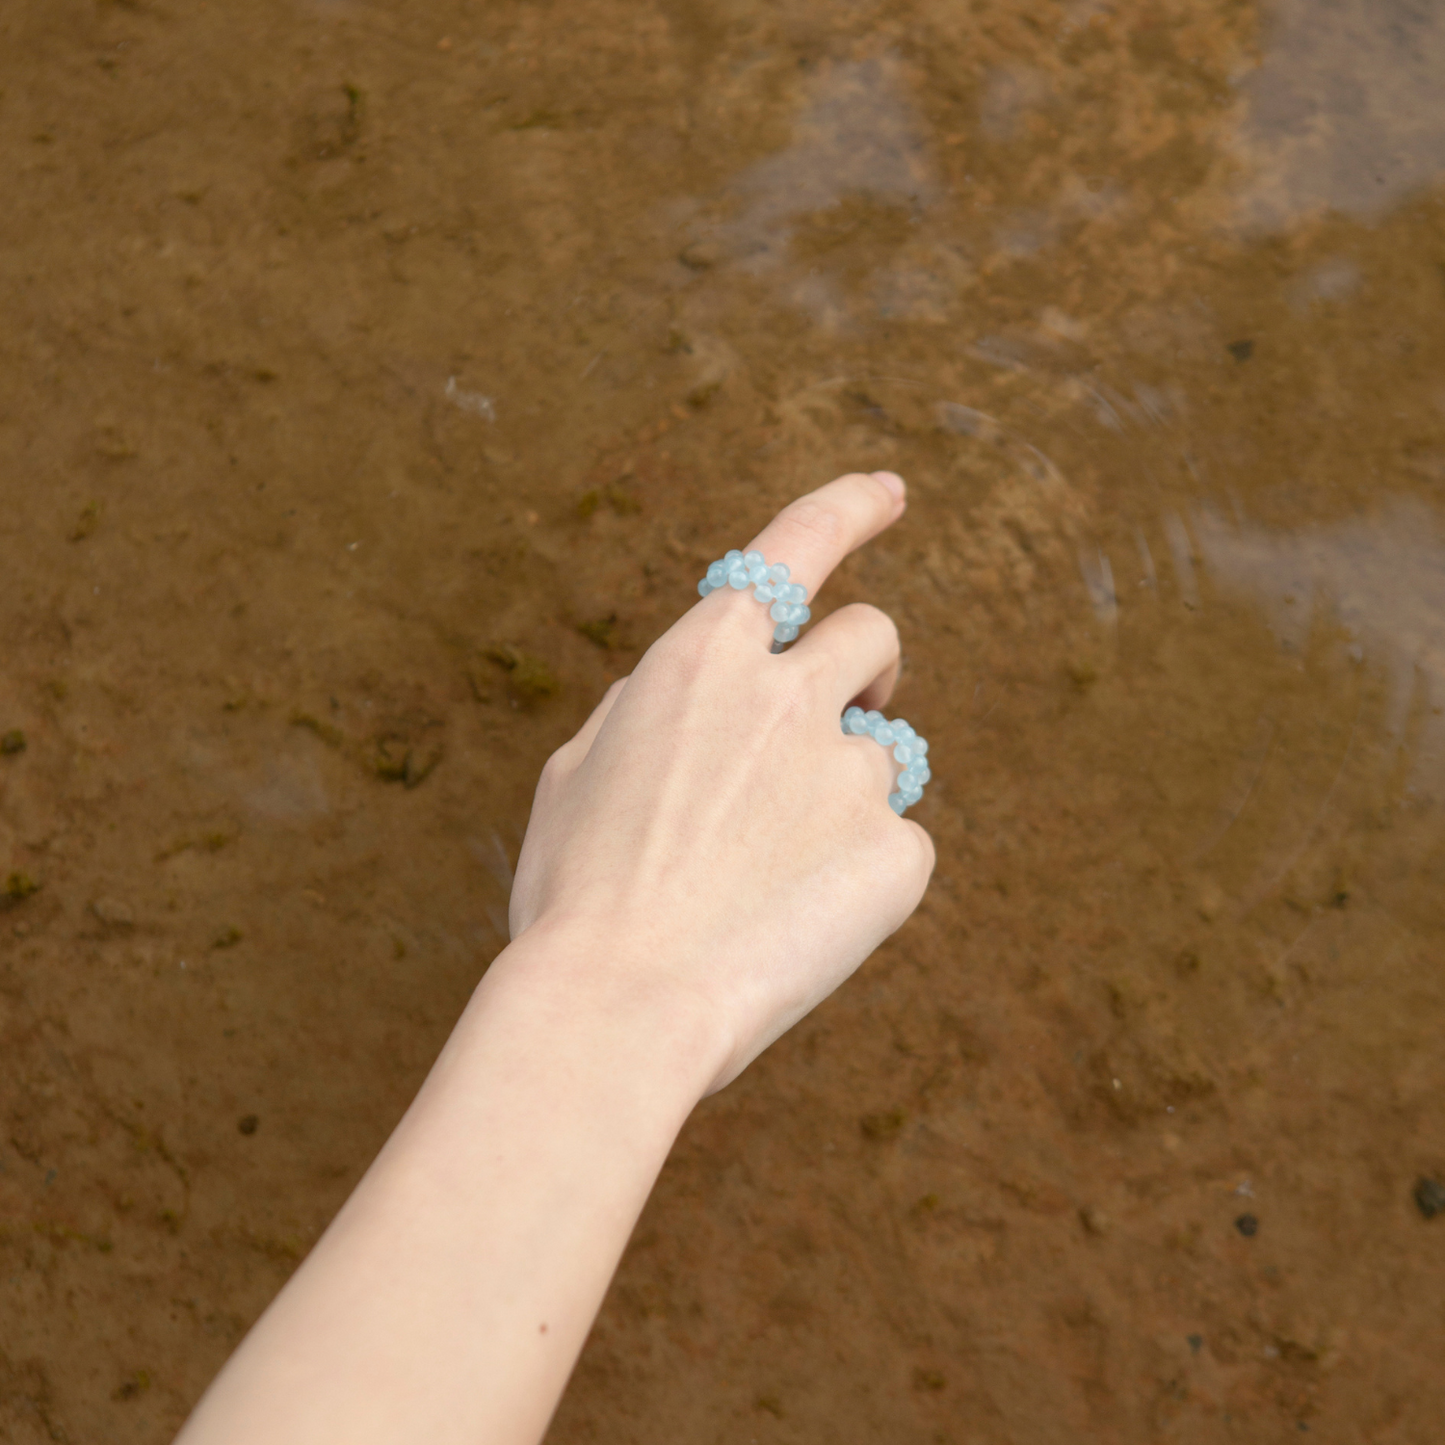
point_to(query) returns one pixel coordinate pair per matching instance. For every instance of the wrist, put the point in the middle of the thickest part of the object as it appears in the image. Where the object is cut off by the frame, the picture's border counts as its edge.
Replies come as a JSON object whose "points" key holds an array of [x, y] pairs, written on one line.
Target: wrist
{"points": [[600, 995]]}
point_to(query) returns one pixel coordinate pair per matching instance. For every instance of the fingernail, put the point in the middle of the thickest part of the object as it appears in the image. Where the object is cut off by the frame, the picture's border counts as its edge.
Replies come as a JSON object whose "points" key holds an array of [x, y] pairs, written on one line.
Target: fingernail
{"points": [[893, 482]]}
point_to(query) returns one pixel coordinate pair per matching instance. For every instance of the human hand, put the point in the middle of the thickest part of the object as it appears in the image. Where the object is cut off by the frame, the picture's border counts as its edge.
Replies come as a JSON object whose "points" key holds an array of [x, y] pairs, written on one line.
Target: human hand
{"points": [[707, 859], [711, 837]]}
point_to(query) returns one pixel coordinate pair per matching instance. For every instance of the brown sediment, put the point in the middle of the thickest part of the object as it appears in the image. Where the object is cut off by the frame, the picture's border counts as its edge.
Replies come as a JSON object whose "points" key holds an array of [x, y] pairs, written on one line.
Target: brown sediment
{"points": [[369, 402]]}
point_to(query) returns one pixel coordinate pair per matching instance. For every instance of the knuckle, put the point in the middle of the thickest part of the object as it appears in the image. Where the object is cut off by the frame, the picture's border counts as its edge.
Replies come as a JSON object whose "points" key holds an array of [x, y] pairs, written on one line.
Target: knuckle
{"points": [[865, 616], [556, 769], [923, 853], [818, 520], [878, 618]]}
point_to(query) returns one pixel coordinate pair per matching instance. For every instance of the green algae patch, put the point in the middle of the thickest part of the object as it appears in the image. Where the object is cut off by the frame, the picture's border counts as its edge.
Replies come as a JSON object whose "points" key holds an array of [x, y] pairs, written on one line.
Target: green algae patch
{"points": [[531, 678], [17, 888]]}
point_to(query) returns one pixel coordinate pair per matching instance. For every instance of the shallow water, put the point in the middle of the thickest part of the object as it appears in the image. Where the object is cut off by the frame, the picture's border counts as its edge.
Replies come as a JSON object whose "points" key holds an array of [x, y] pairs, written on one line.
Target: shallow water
{"points": [[374, 387]]}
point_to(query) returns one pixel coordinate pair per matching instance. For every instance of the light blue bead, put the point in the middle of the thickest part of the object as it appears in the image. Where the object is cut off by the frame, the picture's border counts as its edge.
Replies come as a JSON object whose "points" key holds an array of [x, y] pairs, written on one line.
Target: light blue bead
{"points": [[901, 740], [704, 587], [737, 579], [763, 592], [717, 574], [780, 612], [794, 592], [753, 559], [779, 572], [731, 557], [757, 572], [784, 632]]}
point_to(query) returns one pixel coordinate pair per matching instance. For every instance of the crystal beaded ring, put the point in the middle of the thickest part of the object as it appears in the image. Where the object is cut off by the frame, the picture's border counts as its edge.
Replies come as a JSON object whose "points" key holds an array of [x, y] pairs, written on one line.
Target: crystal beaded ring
{"points": [[907, 748], [786, 605], [770, 585]]}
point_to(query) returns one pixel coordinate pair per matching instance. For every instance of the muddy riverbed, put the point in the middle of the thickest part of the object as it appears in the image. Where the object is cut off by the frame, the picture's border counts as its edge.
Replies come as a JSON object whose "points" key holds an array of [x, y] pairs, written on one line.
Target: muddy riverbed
{"points": [[375, 383]]}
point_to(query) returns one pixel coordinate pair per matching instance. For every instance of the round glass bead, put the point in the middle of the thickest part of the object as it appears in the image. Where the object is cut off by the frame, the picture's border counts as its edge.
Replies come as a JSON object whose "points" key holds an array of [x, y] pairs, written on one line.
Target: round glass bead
{"points": [[903, 742], [783, 598]]}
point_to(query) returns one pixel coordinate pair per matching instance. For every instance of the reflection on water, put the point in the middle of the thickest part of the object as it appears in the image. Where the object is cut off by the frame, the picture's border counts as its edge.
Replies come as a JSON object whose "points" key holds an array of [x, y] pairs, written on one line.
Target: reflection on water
{"points": [[857, 134], [857, 141], [1343, 110], [1381, 576]]}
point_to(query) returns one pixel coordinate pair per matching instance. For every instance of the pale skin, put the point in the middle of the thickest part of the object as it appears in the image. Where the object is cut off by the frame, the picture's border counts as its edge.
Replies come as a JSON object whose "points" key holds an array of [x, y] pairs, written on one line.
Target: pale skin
{"points": [[706, 860]]}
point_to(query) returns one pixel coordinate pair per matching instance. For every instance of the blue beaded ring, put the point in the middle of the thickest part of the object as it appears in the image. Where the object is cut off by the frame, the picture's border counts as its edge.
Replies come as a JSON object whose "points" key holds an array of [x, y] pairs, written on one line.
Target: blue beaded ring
{"points": [[770, 585], [908, 749]]}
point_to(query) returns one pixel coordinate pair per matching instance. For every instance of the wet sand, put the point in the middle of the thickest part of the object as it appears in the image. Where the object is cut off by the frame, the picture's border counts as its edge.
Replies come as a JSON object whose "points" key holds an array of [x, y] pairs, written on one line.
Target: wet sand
{"points": [[375, 385]]}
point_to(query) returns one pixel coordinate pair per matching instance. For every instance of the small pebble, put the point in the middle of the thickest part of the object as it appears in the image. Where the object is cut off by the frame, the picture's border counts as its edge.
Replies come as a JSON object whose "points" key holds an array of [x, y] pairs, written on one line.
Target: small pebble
{"points": [[248, 1123], [1429, 1196], [113, 911], [1247, 1225]]}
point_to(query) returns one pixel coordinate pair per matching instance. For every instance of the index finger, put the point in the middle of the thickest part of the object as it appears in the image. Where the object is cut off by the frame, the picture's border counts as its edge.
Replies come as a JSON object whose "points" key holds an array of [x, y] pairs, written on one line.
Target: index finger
{"points": [[815, 532]]}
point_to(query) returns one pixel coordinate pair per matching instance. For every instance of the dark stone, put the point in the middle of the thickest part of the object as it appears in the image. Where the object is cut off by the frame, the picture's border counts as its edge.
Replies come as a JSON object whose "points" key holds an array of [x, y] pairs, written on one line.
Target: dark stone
{"points": [[1196, 1342], [249, 1124], [1247, 1225], [1429, 1196], [1241, 350]]}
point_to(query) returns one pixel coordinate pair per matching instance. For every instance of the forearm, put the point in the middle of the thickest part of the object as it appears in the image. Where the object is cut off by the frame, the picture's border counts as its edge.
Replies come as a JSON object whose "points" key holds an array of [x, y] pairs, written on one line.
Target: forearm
{"points": [[449, 1299], [715, 800]]}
